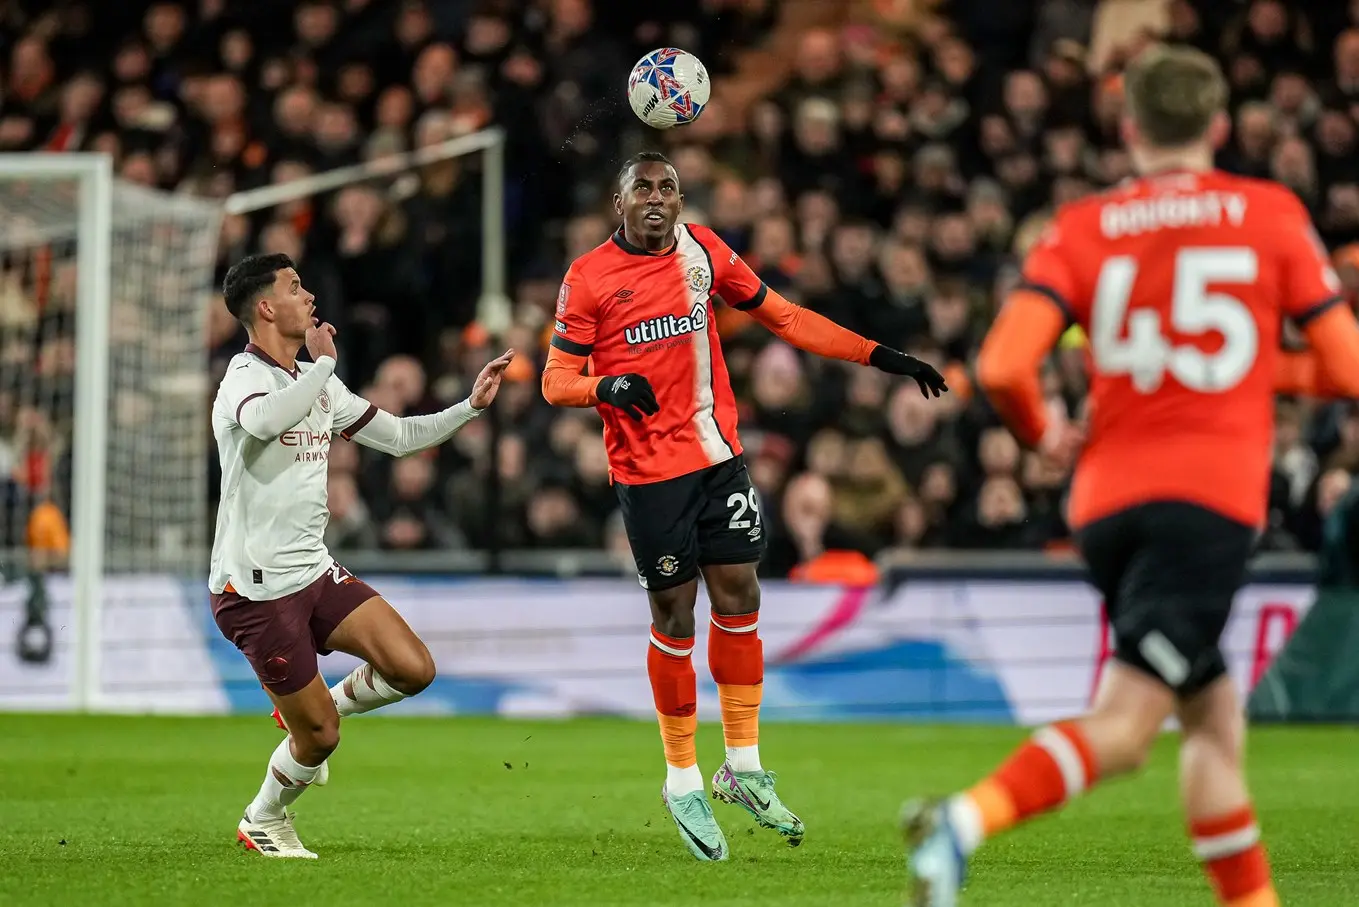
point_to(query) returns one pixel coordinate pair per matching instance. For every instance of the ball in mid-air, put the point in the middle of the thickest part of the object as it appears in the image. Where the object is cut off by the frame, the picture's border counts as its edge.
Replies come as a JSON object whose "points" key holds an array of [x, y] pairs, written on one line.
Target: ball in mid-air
{"points": [[668, 87]]}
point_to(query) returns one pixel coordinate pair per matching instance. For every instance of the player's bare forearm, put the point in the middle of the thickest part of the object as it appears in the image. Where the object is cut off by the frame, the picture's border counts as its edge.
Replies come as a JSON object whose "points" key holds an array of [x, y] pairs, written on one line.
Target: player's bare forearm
{"points": [[1023, 334], [565, 385], [809, 331], [266, 416]]}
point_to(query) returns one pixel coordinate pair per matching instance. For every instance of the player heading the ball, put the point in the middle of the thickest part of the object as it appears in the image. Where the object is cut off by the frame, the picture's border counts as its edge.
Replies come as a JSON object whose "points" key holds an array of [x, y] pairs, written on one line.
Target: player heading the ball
{"points": [[635, 337], [277, 594], [1181, 279]]}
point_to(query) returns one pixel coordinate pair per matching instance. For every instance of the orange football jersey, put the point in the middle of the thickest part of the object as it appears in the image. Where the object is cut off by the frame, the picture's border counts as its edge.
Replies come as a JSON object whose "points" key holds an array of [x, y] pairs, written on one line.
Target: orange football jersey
{"points": [[1181, 281], [632, 311]]}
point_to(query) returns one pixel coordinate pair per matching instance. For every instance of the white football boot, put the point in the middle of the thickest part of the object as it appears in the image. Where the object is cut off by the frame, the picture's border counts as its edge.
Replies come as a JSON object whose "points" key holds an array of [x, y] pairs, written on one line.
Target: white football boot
{"points": [[272, 838]]}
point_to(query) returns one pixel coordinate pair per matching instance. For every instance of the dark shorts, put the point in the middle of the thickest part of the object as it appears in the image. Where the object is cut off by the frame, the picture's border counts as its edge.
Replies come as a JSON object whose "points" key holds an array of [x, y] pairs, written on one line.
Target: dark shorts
{"points": [[1169, 571], [704, 518], [281, 638]]}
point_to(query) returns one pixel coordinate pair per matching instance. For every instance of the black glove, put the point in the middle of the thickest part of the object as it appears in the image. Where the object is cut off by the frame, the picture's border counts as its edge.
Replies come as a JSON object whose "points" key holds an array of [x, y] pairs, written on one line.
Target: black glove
{"points": [[895, 362], [630, 393]]}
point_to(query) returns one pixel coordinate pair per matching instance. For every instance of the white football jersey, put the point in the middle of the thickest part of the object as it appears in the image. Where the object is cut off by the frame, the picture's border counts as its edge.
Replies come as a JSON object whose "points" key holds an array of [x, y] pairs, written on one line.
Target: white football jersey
{"points": [[273, 513]]}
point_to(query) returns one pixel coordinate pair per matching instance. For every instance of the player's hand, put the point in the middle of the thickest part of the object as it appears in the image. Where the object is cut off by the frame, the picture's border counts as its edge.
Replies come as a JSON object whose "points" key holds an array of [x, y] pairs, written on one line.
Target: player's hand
{"points": [[895, 362], [321, 340], [1061, 444], [488, 381], [630, 393]]}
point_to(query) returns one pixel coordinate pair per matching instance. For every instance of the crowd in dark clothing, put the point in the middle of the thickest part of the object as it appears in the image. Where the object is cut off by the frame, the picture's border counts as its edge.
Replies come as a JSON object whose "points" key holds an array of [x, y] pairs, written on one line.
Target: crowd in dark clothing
{"points": [[890, 173]]}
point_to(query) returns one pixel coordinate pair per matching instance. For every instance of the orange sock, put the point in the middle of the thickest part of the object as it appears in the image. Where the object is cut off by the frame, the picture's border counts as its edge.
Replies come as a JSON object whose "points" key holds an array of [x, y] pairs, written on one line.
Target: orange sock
{"points": [[1053, 766], [1234, 859], [674, 688], [736, 660]]}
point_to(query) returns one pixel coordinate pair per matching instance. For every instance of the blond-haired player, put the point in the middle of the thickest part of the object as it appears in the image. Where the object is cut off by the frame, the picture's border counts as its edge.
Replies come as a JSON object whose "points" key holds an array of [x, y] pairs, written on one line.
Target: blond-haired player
{"points": [[1181, 279]]}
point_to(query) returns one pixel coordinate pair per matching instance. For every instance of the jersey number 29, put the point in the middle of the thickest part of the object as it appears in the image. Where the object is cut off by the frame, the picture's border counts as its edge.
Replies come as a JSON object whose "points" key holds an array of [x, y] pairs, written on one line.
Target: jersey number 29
{"points": [[1145, 354], [740, 502]]}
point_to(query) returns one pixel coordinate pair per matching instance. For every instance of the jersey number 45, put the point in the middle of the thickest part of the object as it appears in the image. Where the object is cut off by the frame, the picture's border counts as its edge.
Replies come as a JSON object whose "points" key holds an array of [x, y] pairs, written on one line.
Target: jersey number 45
{"points": [[1145, 355]]}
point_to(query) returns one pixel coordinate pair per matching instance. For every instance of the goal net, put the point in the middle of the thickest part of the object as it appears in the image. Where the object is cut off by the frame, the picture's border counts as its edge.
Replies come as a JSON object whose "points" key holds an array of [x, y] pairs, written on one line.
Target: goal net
{"points": [[105, 431], [104, 288]]}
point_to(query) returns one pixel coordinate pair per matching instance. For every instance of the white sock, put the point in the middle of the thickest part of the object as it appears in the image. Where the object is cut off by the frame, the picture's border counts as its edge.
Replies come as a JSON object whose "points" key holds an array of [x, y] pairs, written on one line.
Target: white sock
{"points": [[362, 691], [967, 822], [284, 782], [681, 781], [744, 758]]}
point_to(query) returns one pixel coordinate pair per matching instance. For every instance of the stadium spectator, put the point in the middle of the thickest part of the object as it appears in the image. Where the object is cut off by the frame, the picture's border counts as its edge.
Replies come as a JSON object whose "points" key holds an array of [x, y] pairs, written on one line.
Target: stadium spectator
{"points": [[887, 173]]}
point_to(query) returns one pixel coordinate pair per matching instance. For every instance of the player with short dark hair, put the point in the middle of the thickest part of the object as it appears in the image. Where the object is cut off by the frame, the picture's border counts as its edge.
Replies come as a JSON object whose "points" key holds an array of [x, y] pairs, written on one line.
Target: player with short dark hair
{"points": [[246, 280], [1181, 279], [635, 336], [277, 594], [641, 157]]}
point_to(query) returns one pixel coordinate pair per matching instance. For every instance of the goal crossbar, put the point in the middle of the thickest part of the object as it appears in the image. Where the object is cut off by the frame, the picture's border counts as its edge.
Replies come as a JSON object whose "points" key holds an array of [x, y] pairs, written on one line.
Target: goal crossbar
{"points": [[493, 306]]}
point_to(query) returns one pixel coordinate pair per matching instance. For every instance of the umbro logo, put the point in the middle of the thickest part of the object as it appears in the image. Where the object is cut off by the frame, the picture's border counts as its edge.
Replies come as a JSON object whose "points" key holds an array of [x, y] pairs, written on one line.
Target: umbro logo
{"points": [[622, 294]]}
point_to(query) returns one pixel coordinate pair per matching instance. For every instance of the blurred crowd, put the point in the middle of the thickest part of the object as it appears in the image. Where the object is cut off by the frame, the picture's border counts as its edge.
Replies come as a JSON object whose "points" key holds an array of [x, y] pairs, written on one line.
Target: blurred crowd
{"points": [[885, 162]]}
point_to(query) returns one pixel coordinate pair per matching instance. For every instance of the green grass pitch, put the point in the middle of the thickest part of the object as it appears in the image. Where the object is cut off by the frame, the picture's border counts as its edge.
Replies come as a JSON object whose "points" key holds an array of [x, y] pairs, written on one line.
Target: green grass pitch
{"points": [[142, 811]]}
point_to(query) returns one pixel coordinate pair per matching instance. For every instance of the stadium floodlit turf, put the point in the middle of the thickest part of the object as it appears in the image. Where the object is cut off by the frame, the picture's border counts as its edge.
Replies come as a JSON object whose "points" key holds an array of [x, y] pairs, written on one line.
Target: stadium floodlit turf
{"points": [[124, 811]]}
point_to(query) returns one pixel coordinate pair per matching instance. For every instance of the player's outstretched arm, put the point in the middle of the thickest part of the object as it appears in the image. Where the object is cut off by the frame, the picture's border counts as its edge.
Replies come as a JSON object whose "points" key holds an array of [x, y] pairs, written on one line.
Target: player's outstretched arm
{"points": [[401, 436], [817, 334], [1331, 367]]}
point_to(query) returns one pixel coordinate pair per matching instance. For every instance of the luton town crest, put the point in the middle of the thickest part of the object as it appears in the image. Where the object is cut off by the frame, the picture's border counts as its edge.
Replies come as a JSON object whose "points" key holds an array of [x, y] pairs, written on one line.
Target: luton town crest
{"points": [[698, 279]]}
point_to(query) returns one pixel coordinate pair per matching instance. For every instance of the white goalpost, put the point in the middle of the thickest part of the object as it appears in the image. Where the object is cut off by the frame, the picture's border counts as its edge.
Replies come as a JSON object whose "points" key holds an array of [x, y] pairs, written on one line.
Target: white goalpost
{"points": [[92, 176], [104, 399], [103, 368]]}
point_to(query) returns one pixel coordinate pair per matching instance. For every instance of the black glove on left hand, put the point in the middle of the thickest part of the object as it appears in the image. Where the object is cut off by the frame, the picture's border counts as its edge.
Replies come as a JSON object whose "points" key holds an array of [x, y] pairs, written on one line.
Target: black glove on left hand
{"points": [[895, 362], [631, 393]]}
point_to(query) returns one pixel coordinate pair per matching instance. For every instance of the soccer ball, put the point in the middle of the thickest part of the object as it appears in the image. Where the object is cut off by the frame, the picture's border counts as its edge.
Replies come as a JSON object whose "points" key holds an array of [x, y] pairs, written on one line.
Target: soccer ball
{"points": [[668, 87]]}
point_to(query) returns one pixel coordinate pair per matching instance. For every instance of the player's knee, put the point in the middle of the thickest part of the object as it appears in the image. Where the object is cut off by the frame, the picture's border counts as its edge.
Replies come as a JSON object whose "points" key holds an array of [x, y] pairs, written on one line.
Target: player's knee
{"points": [[672, 610], [328, 740], [1122, 741], [413, 673], [1221, 729], [1124, 749], [734, 591], [1135, 749], [1211, 747], [675, 624], [314, 742], [743, 598]]}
